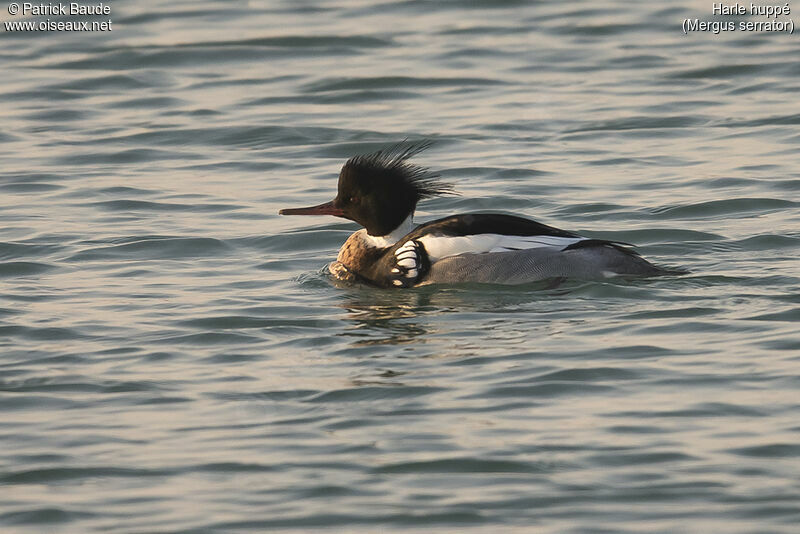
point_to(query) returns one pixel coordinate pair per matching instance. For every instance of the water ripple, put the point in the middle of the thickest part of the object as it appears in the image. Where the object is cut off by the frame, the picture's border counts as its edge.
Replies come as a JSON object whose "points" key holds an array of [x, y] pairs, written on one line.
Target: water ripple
{"points": [[155, 247]]}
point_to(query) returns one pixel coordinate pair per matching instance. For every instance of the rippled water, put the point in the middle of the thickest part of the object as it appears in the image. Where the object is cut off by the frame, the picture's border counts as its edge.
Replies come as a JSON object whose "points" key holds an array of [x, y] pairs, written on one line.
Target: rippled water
{"points": [[174, 358]]}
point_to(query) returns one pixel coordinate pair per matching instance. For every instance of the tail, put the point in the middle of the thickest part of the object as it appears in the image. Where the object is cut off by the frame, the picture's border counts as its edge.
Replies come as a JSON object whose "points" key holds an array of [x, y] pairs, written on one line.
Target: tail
{"points": [[631, 263]]}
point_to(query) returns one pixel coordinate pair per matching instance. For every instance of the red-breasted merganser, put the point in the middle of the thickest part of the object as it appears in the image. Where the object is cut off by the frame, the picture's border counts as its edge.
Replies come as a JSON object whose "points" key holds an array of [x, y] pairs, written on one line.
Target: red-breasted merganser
{"points": [[380, 191]]}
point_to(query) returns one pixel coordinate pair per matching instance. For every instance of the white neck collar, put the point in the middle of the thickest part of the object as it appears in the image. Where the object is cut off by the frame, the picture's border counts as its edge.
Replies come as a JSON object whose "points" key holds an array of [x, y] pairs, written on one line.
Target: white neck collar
{"points": [[383, 241]]}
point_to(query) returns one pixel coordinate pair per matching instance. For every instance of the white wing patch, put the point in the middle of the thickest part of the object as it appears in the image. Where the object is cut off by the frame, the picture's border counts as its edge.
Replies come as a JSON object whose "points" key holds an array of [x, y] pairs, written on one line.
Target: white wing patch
{"points": [[439, 247]]}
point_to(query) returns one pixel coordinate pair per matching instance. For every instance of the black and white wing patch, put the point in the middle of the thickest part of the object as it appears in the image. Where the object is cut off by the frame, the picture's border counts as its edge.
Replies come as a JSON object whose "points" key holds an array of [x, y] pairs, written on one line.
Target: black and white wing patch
{"points": [[407, 264], [443, 246]]}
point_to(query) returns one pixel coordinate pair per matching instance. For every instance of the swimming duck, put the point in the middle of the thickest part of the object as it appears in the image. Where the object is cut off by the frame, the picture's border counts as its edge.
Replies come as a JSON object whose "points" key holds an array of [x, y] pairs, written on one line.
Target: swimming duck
{"points": [[380, 191]]}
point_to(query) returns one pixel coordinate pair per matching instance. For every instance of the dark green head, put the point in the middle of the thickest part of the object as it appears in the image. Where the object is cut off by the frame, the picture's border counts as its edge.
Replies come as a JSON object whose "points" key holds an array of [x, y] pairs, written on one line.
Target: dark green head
{"points": [[380, 190]]}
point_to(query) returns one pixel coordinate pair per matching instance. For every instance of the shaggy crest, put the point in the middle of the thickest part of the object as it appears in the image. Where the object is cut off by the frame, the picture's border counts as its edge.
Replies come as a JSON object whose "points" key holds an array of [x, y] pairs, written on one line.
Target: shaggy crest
{"points": [[392, 163]]}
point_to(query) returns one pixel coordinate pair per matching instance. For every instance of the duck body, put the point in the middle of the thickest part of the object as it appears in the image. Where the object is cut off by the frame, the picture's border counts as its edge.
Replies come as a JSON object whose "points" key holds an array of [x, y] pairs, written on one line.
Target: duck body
{"points": [[488, 248], [380, 191]]}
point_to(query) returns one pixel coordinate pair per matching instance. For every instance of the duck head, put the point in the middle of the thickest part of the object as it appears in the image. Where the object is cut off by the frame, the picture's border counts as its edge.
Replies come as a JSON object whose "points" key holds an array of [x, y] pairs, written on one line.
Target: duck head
{"points": [[380, 190]]}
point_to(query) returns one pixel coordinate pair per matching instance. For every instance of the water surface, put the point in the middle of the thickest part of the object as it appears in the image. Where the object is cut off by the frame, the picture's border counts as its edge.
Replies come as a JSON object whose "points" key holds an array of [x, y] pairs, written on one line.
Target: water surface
{"points": [[173, 357]]}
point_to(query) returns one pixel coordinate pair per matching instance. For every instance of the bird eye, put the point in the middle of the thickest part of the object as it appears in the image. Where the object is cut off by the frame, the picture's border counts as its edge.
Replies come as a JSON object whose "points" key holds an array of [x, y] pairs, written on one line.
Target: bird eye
{"points": [[353, 200]]}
